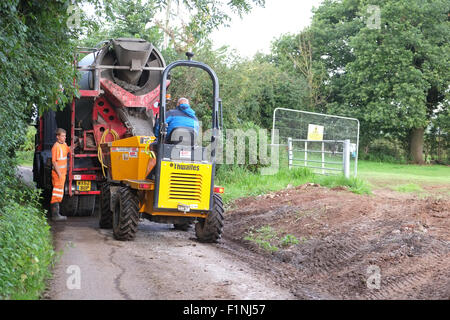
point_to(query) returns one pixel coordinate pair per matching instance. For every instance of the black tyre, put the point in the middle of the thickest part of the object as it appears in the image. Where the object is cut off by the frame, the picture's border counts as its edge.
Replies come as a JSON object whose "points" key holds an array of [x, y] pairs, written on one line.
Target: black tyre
{"points": [[182, 226], [46, 196], [37, 170], [86, 206], [69, 206], [210, 229], [106, 215], [125, 214], [86, 203]]}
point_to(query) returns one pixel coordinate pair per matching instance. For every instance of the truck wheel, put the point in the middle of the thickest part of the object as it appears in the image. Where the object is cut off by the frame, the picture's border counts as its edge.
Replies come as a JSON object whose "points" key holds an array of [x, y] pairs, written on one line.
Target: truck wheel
{"points": [[69, 206], [37, 170], [125, 214], [106, 215], [210, 229], [86, 205], [46, 196], [182, 226]]}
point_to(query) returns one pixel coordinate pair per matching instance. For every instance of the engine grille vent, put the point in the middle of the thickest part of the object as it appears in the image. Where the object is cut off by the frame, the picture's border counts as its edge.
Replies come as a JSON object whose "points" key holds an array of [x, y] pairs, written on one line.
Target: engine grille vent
{"points": [[185, 186]]}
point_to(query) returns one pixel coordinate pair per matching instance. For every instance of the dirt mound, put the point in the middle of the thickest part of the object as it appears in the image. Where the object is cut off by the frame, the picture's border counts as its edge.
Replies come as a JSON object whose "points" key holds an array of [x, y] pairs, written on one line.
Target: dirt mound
{"points": [[323, 243]]}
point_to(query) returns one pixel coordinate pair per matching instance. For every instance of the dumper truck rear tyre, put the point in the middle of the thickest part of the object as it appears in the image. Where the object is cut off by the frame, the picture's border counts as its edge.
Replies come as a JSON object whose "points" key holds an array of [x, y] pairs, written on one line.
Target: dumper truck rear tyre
{"points": [[210, 229], [182, 226], [125, 214], [106, 215]]}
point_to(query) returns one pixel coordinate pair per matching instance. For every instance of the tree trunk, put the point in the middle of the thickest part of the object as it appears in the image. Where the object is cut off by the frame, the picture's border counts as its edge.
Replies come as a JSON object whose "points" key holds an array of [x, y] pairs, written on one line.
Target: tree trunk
{"points": [[416, 144]]}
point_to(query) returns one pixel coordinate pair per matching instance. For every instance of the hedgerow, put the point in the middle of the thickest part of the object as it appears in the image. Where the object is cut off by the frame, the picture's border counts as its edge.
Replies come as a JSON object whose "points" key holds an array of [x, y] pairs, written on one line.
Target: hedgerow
{"points": [[36, 54], [26, 251]]}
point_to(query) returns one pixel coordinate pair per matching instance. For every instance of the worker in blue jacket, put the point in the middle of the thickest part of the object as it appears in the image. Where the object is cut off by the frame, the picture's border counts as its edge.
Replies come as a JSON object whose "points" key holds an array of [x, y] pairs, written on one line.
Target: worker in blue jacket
{"points": [[181, 117]]}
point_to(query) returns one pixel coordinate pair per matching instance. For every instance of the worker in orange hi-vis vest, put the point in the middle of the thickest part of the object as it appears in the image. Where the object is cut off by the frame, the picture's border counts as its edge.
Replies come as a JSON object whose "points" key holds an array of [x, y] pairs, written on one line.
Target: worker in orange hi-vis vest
{"points": [[59, 162]]}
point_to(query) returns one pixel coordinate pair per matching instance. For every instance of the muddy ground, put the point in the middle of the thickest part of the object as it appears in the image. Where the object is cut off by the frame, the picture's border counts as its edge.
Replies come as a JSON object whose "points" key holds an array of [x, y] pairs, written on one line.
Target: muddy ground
{"points": [[385, 246]]}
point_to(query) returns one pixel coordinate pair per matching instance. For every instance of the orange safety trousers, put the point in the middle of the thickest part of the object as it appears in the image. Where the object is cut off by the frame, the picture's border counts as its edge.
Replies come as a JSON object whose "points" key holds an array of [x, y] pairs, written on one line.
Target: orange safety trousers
{"points": [[59, 155], [58, 187]]}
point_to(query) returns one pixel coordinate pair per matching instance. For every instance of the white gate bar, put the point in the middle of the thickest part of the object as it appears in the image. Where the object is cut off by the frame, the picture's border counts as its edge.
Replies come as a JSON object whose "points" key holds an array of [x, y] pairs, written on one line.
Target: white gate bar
{"points": [[346, 158], [290, 152], [306, 153], [299, 165], [323, 157]]}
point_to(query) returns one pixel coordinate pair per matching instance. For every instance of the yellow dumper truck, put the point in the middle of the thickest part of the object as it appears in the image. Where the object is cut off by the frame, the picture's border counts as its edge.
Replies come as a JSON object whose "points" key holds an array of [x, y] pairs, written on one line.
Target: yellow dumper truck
{"points": [[164, 179]]}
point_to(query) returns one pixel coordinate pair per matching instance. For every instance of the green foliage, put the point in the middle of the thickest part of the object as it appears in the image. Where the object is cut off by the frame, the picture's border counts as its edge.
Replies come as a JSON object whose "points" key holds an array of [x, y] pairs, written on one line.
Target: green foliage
{"points": [[25, 158], [437, 138], [26, 150], [270, 239], [384, 150], [263, 237], [293, 54], [289, 240], [124, 19], [26, 250], [28, 144], [35, 71], [241, 148], [207, 15], [355, 185]]}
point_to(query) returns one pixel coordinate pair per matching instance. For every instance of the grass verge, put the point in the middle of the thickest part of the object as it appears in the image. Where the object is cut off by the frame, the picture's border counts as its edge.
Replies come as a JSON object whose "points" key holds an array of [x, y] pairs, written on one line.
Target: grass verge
{"points": [[239, 182]]}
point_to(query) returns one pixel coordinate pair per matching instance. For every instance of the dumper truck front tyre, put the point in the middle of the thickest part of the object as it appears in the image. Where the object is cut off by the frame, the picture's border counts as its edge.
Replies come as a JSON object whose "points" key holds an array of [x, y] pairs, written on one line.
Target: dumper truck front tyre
{"points": [[106, 215], [125, 214], [210, 229]]}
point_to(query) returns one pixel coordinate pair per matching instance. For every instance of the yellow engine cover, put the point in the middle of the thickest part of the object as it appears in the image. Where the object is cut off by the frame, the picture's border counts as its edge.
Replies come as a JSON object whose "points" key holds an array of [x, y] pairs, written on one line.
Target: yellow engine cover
{"points": [[185, 184]]}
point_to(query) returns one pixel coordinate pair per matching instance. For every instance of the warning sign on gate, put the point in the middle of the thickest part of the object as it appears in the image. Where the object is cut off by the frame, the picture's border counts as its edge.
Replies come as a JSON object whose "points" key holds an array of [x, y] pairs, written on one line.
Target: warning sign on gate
{"points": [[315, 132]]}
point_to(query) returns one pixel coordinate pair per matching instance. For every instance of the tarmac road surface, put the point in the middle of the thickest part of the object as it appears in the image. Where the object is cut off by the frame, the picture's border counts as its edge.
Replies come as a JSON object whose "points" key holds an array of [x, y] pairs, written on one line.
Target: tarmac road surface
{"points": [[161, 263]]}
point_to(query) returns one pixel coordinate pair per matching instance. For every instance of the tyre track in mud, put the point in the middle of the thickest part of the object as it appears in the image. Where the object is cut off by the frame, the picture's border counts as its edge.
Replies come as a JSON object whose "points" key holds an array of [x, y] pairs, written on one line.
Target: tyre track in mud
{"points": [[415, 276], [403, 236]]}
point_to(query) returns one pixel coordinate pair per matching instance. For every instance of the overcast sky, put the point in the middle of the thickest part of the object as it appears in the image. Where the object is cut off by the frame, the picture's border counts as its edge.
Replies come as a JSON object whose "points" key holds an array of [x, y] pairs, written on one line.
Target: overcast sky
{"points": [[257, 29]]}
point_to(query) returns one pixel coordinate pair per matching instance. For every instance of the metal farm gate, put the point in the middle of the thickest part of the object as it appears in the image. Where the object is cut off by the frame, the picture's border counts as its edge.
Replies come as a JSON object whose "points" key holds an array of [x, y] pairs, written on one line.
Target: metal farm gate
{"points": [[324, 143]]}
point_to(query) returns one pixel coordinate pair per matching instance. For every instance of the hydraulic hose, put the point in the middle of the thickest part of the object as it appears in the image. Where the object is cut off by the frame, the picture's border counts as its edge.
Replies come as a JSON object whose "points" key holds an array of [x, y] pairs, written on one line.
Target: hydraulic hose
{"points": [[99, 149]]}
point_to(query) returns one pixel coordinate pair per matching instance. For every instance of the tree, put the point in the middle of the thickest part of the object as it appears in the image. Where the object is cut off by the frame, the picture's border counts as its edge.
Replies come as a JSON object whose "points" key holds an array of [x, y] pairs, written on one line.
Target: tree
{"points": [[36, 55], [124, 19], [294, 55], [392, 76]]}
